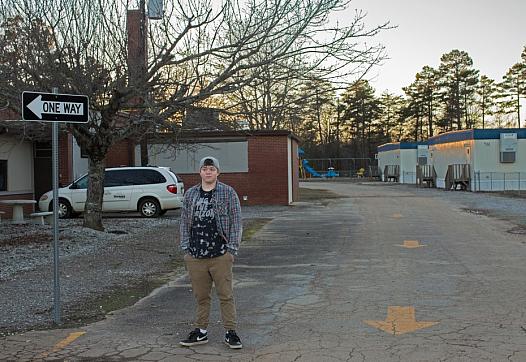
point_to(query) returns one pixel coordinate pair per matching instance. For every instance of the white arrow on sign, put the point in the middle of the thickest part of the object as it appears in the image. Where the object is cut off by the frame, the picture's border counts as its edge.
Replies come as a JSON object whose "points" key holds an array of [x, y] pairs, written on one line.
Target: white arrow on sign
{"points": [[38, 106]]}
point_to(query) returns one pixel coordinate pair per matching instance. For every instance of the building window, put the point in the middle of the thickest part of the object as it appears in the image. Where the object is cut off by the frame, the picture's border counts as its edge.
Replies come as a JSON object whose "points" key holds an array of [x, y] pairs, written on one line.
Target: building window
{"points": [[43, 150], [83, 152], [3, 175]]}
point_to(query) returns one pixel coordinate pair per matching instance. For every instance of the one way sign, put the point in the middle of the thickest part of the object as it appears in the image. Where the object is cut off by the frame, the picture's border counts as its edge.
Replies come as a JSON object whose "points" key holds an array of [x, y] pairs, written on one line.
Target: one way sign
{"points": [[52, 107]]}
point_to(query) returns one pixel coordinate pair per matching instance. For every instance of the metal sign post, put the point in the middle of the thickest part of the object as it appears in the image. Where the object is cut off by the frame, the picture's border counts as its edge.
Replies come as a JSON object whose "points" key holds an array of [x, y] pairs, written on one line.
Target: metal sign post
{"points": [[56, 269], [55, 108]]}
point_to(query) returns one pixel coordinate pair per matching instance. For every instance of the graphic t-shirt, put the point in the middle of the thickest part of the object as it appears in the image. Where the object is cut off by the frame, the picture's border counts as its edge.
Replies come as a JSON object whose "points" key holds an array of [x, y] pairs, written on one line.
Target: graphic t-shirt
{"points": [[205, 241]]}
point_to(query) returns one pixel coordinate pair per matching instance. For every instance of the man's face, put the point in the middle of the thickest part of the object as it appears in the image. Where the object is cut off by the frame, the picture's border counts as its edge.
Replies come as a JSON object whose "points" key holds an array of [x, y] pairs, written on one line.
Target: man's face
{"points": [[209, 174]]}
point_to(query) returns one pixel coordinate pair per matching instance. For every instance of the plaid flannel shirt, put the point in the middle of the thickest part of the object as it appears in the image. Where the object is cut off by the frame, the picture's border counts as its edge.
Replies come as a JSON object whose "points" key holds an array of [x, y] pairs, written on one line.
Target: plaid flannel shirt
{"points": [[227, 211]]}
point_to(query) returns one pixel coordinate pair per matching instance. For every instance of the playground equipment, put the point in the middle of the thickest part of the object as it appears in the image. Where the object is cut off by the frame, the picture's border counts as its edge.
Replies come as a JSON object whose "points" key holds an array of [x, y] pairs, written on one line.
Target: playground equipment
{"points": [[333, 167], [309, 169]]}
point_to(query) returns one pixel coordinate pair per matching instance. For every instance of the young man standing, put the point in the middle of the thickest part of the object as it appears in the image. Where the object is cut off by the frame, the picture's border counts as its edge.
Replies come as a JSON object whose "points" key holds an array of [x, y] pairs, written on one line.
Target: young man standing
{"points": [[210, 233]]}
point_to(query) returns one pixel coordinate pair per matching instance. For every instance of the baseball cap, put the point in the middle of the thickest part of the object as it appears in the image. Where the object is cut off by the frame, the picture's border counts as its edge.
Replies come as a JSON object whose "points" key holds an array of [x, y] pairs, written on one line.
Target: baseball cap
{"points": [[209, 161]]}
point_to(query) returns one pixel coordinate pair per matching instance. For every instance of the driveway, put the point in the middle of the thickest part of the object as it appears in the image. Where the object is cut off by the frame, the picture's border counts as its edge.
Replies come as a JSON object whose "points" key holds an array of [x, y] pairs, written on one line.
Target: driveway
{"points": [[384, 273]]}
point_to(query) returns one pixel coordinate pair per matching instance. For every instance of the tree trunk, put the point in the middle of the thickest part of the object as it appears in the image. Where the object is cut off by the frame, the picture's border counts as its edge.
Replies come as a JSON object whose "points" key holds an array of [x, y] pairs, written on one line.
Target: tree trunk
{"points": [[518, 107], [144, 151], [93, 206], [483, 110], [430, 119]]}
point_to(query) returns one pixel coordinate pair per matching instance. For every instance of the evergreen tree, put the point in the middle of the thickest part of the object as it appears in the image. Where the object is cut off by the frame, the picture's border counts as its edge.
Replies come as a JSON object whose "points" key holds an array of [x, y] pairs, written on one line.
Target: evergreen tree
{"points": [[390, 118], [514, 87], [361, 107], [487, 93], [414, 109], [458, 82], [422, 97]]}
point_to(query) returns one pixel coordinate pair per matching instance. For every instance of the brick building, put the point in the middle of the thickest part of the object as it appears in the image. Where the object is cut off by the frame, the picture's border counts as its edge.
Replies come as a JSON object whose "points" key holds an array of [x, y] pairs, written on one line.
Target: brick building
{"points": [[262, 166]]}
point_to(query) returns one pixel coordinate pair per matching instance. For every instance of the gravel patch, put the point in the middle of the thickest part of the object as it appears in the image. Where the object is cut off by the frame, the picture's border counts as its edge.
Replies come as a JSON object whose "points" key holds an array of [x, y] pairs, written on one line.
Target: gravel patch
{"points": [[99, 270]]}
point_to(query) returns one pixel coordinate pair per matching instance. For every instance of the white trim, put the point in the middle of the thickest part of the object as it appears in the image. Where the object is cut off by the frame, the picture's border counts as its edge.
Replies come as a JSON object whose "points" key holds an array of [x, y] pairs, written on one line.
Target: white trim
{"points": [[289, 168], [23, 192]]}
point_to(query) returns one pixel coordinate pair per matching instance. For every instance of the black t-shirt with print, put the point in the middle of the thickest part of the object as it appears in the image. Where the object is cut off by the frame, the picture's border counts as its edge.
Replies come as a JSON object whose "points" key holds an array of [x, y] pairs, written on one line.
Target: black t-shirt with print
{"points": [[205, 241]]}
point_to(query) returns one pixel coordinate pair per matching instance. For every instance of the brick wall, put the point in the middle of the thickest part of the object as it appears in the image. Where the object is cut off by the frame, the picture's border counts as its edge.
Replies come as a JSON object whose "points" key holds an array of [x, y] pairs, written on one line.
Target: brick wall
{"points": [[65, 158], [266, 183], [239, 181], [267, 164], [120, 154], [6, 114]]}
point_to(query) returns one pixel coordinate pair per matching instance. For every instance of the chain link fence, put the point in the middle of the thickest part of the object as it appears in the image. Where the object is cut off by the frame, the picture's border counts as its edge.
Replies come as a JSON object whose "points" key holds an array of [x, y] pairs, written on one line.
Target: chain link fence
{"points": [[343, 167], [484, 181]]}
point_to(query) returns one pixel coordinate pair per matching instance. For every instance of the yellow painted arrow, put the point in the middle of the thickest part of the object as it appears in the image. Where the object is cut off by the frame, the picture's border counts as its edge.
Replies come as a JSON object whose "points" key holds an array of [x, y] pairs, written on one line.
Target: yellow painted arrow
{"points": [[397, 216], [62, 344], [411, 244], [400, 320]]}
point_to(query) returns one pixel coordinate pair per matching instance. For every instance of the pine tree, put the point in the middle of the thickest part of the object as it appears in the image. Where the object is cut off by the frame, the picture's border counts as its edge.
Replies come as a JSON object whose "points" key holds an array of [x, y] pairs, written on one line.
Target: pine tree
{"points": [[487, 93], [458, 80], [361, 108], [514, 88], [422, 96], [390, 119]]}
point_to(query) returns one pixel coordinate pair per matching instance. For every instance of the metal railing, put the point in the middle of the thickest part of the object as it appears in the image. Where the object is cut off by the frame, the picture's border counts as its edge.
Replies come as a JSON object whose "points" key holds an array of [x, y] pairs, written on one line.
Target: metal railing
{"points": [[499, 181]]}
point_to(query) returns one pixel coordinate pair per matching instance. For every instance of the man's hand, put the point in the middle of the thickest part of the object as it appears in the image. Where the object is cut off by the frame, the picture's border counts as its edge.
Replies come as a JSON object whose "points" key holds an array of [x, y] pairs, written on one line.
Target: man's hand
{"points": [[231, 256]]}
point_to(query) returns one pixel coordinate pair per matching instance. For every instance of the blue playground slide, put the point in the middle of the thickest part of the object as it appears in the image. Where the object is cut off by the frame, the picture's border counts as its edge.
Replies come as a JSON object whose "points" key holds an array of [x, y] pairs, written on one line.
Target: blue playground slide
{"points": [[309, 169]]}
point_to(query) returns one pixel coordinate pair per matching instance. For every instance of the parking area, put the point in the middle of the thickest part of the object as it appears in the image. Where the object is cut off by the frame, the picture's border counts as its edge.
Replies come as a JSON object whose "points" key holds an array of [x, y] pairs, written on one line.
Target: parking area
{"points": [[379, 273]]}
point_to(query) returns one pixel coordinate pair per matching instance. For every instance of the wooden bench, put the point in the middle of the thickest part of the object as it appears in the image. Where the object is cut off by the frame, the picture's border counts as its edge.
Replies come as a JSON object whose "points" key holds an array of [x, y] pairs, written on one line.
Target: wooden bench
{"points": [[42, 218]]}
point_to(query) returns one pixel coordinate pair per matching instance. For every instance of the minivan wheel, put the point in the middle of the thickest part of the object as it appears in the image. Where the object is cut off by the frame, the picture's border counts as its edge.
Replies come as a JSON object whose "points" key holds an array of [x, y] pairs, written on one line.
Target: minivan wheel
{"points": [[64, 209], [149, 208]]}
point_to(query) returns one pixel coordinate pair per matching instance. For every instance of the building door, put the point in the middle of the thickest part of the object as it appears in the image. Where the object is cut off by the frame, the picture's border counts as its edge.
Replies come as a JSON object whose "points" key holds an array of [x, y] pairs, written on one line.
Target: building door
{"points": [[42, 168]]}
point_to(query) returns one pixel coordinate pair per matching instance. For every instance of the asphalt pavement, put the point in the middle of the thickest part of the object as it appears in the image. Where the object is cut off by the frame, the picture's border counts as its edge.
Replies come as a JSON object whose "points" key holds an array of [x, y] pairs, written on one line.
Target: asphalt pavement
{"points": [[385, 273]]}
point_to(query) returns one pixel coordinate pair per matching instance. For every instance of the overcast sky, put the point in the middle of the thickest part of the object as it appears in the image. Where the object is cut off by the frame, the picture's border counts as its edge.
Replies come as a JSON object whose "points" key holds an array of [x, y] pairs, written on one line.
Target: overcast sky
{"points": [[493, 32]]}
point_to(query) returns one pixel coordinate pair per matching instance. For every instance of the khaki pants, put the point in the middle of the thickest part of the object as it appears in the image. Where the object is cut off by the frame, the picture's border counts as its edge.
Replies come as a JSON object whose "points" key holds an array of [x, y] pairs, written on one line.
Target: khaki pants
{"points": [[219, 271]]}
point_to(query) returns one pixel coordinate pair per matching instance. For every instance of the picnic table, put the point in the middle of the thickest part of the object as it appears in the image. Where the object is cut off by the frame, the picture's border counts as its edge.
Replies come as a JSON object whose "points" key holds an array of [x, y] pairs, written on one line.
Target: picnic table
{"points": [[18, 209]]}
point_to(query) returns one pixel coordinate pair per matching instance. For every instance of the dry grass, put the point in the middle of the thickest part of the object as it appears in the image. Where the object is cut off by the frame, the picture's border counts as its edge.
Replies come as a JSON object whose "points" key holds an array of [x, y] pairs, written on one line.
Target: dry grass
{"points": [[308, 194]]}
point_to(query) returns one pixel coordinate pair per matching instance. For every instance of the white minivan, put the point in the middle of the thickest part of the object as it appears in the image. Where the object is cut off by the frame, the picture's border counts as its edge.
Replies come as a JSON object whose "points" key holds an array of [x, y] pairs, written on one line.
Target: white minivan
{"points": [[150, 190]]}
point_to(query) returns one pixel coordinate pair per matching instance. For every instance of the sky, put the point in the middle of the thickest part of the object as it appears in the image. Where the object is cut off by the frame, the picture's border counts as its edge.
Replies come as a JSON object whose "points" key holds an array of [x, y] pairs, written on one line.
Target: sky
{"points": [[492, 32]]}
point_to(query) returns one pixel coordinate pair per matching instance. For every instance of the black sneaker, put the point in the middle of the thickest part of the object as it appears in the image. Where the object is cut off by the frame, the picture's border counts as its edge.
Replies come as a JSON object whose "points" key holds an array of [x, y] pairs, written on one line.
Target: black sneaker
{"points": [[232, 340], [194, 338]]}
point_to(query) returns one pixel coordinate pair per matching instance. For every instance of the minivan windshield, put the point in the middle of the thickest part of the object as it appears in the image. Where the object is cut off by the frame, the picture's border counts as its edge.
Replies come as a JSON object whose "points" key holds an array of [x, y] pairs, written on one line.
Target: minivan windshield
{"points": [[81, 183]]}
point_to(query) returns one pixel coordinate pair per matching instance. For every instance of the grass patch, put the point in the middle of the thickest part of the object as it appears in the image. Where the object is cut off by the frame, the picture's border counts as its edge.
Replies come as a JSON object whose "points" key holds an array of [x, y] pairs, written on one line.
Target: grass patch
{"points": [[308, 194], [252, 226], [97, 309]]}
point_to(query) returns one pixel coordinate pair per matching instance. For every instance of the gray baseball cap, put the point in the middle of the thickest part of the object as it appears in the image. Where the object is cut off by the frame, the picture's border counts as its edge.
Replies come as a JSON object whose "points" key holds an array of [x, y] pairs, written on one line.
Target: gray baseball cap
{"points": [[209, 161]]}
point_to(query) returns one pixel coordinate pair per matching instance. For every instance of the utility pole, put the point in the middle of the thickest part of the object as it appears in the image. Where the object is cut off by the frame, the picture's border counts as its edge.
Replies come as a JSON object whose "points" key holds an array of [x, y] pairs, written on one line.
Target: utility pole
{"points": [[137, 27]]}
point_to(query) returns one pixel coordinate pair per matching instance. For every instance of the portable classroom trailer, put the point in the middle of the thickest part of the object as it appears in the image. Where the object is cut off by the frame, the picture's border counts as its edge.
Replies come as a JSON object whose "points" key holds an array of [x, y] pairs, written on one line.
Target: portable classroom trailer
{"points": [[404, 157], [496, 158]]}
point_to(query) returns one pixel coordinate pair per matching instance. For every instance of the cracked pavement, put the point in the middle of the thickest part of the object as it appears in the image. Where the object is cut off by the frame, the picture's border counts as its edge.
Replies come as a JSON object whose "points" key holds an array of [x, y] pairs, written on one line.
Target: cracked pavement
{"points": [[309, 279]]}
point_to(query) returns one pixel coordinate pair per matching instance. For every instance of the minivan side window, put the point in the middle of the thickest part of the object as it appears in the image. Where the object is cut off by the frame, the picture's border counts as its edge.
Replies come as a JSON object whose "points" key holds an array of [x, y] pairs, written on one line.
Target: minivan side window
{"points": [[115, 178], [147, 177]]}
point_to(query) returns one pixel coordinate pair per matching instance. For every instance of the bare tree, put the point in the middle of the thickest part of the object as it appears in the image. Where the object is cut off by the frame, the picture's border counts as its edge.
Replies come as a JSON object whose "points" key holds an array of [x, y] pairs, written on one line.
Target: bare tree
{"points": [[324, 53], [199, 49]]}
